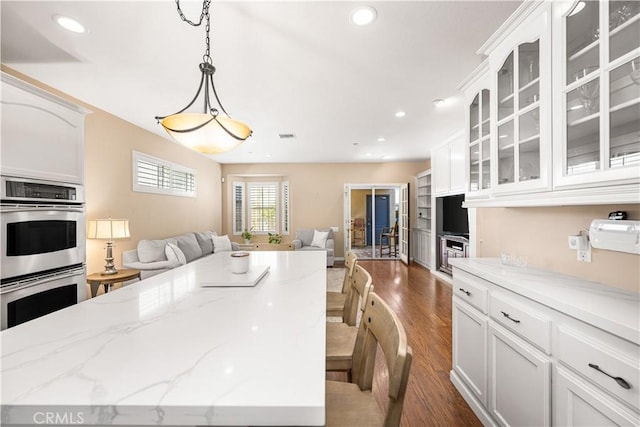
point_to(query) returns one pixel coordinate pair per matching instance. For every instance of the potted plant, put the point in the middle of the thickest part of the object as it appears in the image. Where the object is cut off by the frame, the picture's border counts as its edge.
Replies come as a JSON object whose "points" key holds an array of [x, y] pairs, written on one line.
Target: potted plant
{"points": [[246, 235], [275, 238]]}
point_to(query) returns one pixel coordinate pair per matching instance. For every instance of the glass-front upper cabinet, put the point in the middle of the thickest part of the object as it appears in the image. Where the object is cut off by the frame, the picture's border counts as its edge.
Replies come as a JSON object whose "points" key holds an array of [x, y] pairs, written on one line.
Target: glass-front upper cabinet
{"points": [[521, 69], [478, 137], [598, 92]]}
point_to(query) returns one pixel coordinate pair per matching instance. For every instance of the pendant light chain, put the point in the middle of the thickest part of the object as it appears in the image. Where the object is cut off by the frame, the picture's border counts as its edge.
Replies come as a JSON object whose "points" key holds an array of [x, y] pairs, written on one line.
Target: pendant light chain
{"points": [[204, 15]]}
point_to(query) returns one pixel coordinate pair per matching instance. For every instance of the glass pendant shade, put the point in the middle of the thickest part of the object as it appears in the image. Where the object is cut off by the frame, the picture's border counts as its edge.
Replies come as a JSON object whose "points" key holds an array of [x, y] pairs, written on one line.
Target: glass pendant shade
{"points": [[212, 138]]}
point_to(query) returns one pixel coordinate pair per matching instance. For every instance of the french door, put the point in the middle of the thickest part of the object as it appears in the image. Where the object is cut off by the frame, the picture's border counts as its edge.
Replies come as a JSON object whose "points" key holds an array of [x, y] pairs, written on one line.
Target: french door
{"points": [[363, 220]]}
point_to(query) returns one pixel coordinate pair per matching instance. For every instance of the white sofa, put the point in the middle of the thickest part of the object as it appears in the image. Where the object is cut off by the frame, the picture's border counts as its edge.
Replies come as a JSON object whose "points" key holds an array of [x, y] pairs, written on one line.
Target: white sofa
{"points": [[304, 239], [151, 255]]}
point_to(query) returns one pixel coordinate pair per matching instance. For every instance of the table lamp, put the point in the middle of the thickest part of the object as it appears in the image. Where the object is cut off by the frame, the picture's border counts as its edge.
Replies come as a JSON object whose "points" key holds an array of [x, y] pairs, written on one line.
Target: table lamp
{"points": [[109, 230]]}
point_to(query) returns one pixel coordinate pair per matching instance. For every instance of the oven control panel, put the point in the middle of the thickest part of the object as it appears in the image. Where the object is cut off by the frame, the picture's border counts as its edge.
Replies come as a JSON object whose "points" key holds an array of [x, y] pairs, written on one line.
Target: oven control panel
{"points": [[22, 189]]}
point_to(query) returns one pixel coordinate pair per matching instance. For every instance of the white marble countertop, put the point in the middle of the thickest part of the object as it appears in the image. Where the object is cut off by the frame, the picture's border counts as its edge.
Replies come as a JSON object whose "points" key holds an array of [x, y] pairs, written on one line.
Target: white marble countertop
{"points": [[168, 351], [611, 309]]}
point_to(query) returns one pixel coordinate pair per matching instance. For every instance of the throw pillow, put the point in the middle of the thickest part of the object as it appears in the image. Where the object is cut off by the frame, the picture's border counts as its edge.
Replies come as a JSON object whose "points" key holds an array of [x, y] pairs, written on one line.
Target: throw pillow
{"points": [[221, 244], [319, 239], [205, 242], [174, 254], [151, 250]]}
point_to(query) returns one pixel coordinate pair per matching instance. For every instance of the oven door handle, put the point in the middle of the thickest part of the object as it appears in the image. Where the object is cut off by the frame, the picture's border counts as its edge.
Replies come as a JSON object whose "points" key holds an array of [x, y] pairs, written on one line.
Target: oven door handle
{"points": [[42, 208], [39, 280]]}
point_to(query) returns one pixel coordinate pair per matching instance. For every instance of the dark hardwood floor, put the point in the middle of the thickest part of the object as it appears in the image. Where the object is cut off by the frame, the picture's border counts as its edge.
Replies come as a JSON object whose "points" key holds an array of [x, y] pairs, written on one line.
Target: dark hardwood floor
{"points": [[423, 304]]}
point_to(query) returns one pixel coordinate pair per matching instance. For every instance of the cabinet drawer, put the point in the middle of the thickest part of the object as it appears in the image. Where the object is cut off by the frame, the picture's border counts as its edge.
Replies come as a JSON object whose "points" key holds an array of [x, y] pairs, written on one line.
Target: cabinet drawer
{"points": [[584, 353], [523, 320], [470, 290]]}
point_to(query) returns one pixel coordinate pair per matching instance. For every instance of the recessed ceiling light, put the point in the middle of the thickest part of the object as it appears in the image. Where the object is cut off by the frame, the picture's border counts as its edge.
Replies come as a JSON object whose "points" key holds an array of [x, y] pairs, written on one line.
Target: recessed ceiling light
{"points": [[363, 16], [69, 23], [268, 155], [381, 139], [438, 102], [400, 114], [368, 154]]}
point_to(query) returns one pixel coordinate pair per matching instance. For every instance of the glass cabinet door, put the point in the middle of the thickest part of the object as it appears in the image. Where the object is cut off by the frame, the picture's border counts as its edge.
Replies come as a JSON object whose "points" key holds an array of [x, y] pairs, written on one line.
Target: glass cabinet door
{"points": [[624, 84], [600, 91], [518, 138], [479, 142]]}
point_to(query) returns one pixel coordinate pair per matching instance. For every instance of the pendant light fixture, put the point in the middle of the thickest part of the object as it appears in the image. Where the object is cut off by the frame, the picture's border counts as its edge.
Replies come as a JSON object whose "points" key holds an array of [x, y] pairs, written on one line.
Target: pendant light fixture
{"points": [[213, 130]]}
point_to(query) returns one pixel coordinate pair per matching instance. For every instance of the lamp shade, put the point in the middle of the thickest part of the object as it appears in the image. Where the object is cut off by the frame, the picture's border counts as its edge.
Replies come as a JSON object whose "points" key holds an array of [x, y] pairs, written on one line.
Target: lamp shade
{"points": [[212, 138], [108, 229]]}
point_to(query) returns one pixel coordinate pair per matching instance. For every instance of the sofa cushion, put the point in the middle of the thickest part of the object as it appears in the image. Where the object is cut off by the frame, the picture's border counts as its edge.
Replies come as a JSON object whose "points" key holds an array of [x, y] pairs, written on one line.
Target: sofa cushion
{"points": [[319, 238], [189, 246], [205, 241], [151, 250], [221, 244], [174, 254]]}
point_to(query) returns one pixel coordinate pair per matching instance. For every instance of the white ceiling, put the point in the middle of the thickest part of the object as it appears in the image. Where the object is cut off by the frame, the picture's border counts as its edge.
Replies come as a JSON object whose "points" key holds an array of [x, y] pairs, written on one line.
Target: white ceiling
{"points": [[282, 67]]}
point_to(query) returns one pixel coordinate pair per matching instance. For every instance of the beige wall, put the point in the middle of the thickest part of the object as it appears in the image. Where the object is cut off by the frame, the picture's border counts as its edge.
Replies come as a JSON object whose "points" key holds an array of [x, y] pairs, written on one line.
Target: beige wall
{"points": [[317, 190], [109, 142], [540, 234]]}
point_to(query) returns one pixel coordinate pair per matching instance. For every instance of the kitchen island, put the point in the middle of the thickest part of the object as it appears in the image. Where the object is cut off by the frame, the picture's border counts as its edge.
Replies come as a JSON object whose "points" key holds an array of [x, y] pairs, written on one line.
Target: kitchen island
{"points": [[168, 351]]}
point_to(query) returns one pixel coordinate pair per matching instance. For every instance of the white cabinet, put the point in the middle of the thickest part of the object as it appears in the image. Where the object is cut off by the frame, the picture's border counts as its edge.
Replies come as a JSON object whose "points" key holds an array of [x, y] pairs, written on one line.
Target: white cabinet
{"points": [[597, 87], [469, 348], [565, 122], [42, 135], [520, 69], [531, 347], [519, 381], [422, 247], [477, 95], [576, 402], [448, 165]]}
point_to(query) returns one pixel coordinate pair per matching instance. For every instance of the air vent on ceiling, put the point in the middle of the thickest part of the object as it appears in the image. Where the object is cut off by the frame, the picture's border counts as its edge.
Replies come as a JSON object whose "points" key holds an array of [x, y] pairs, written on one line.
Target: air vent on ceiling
{"points": [[287, 135]]}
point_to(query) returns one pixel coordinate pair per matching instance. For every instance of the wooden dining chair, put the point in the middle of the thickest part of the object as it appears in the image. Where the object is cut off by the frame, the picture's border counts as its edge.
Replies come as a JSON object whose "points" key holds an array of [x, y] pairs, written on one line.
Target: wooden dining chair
{"points": [[389, 240], [352, 403], [341, 336], [336, 300]]}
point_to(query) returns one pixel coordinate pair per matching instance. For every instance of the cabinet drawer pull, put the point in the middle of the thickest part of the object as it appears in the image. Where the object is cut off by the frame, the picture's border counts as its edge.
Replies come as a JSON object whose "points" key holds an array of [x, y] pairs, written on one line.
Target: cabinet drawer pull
{"points": [[621, 382], [509, 317], [465, 291]]}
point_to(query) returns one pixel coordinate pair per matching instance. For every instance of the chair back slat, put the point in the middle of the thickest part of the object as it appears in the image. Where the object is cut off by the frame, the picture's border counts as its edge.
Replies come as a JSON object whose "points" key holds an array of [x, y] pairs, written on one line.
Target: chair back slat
{"points": [[359, 289], [380, 326], [350, 263]]}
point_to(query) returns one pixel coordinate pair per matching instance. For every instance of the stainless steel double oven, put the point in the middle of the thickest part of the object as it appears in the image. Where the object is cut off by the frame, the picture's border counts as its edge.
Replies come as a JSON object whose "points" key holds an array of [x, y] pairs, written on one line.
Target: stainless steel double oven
{"points": [[43, 248]]}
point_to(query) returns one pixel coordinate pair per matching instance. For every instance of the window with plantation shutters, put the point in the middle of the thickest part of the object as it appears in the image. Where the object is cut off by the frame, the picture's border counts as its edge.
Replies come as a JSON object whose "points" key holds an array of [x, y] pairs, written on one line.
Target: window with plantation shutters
{"points": [[153, 175], [263, 207], [260, 207], [285, 208], [238, 211]]}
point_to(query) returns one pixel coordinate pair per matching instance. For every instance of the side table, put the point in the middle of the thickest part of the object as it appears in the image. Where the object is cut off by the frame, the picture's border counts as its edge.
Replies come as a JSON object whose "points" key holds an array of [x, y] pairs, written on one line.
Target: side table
{"points": [[106, 280]]}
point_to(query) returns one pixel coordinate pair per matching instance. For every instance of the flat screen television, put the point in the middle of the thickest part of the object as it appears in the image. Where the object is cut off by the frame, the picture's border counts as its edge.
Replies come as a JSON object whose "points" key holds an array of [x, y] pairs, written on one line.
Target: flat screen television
{"points": [[454, 217]]}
